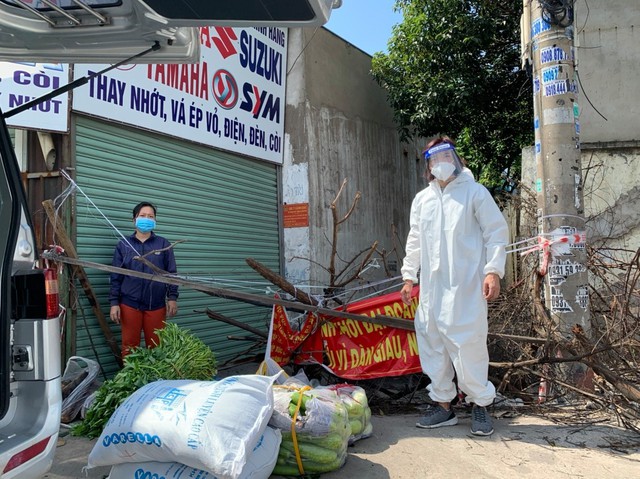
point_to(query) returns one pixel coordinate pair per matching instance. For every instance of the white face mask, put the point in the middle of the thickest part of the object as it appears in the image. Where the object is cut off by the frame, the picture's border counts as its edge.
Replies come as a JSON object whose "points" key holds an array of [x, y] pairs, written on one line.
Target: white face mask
{"points": [[443, 171]]}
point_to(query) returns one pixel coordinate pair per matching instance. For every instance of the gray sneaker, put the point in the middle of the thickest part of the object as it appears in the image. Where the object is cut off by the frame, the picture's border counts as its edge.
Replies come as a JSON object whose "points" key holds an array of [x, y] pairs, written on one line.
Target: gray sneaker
{"points": [[481, 422], [437, 416]]}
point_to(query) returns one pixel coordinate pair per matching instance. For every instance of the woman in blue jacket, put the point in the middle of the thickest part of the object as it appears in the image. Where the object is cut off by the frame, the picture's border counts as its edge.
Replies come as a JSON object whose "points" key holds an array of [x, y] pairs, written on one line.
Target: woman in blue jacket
{"points": [[140, 304]]}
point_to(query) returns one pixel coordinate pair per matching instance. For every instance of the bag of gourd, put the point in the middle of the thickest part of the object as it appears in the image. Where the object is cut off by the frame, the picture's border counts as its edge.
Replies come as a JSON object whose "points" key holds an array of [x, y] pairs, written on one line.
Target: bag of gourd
{"points": [[357, 404], [315, 430]]}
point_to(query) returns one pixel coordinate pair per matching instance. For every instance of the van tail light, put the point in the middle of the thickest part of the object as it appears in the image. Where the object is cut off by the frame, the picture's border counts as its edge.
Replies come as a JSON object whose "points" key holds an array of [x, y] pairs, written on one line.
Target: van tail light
{"points": [[52, 292], [26, 455]]}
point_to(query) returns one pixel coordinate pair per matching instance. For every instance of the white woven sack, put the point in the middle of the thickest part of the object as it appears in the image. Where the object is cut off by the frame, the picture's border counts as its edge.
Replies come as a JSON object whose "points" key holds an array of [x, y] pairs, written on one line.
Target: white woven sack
{"points": [[158, 470], [263, 458], [209, 425], [259, 465]]}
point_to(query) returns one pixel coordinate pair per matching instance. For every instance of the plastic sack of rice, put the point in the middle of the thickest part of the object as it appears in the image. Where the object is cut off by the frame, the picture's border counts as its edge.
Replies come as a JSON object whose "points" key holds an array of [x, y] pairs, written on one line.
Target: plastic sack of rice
{"points": [[260, 464], [208, 425]]}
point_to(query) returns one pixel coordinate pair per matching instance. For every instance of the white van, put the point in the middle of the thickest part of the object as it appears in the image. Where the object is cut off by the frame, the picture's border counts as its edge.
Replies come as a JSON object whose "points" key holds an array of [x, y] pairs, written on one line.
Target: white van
{"points": [[81, 31]]}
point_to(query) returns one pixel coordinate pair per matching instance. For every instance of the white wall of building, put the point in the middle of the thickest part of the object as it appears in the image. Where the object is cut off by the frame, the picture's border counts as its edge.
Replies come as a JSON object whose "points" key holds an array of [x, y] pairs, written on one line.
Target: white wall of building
{"points": [[339, 126]]}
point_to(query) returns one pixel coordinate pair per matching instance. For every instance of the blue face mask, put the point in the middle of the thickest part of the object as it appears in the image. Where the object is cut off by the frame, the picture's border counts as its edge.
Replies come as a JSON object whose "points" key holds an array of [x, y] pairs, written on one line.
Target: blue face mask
{"points": [[145, 225]]}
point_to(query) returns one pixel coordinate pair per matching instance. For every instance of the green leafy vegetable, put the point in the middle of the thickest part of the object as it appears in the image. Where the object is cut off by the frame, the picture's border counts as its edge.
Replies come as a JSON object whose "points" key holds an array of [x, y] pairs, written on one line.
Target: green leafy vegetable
{"points": [[179, 355]]}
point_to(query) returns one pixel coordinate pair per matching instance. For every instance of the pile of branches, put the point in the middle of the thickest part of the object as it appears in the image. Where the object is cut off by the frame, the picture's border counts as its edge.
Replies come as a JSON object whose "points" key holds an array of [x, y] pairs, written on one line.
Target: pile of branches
{"points": [[532, 361]]}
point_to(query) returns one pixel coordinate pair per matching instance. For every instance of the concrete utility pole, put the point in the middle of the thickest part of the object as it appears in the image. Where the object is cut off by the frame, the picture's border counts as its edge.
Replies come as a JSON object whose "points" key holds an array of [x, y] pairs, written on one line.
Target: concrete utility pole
{"points": [[549, 47]]}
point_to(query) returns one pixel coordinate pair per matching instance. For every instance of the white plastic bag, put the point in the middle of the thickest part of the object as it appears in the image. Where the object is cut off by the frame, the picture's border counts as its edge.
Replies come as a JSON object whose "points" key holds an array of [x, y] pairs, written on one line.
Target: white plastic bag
{"points": [[79, 374], [357, 404], [208, 425], [322, 430]]}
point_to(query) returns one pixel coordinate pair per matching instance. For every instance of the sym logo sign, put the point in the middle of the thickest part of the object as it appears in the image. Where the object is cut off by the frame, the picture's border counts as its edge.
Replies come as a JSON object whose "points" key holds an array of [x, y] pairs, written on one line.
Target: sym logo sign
{"points": [[225, 89]]}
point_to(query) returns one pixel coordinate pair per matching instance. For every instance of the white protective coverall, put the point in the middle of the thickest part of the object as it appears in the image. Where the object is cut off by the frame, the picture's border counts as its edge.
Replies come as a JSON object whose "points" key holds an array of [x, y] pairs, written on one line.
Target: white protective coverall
{"points": [[457, 236]]}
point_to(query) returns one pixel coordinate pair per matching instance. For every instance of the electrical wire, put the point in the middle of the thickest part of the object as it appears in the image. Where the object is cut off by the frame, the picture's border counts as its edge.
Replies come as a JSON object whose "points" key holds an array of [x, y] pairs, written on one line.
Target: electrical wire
{"points": [[587, 97], [342, 296], [557, 12], [302, 51]]}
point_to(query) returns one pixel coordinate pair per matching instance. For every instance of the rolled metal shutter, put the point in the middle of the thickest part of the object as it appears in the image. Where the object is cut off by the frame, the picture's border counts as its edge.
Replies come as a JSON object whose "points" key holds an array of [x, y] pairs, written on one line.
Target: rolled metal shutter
{"points": [[224, 206]]}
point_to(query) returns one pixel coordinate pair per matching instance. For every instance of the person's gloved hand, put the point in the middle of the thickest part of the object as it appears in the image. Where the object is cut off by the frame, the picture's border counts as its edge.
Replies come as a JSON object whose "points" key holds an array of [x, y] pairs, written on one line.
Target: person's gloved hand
{"points": [[405, 292], [491, 286]]}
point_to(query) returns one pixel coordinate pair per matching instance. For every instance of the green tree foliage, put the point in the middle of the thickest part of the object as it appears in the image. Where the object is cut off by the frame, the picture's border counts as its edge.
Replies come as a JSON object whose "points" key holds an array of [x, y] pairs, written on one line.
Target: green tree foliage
{"points": [[453, 68]]}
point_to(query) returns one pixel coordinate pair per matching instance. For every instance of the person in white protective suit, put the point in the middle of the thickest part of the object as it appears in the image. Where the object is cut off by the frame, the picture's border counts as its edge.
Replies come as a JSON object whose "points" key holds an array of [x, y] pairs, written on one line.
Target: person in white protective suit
{"points": [[457, 242]]}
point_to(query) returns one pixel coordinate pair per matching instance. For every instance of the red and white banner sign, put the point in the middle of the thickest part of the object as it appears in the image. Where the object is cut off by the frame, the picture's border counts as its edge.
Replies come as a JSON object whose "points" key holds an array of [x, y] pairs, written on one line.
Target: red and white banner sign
{"points": [[288, 346]]}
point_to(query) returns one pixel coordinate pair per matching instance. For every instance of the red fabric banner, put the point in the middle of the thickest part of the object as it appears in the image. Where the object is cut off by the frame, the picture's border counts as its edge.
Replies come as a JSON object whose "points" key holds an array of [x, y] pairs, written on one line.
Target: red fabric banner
{"points": [[304, 345], [353, 349], [359, 350]]}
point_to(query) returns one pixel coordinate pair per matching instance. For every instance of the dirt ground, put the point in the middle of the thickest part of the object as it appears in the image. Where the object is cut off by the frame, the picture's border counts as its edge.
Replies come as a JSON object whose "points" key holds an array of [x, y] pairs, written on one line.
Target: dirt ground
{"points": [[523, 446], [529, 442]]}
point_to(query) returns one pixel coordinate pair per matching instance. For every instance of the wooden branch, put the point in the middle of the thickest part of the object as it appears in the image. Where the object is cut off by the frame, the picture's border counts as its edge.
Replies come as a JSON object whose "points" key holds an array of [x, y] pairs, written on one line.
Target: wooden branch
{"points": [[80, 273], [630, 284], [356, 199], [161, 249], [280, 282], [143, 259], [360, 268], [245, 297], [350, 262], [233, 322], [334, 235], [523, 339], [565, 385], [625, 388], [547, 360], [335, 200], [539, 308], [334, 238]]}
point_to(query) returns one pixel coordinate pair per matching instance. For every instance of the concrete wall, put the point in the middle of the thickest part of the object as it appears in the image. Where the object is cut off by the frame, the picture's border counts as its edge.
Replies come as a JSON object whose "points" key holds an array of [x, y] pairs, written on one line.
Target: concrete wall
{"points": [[611, 178], [339, 126], [612, 196], [608, 35], [609, 67]]}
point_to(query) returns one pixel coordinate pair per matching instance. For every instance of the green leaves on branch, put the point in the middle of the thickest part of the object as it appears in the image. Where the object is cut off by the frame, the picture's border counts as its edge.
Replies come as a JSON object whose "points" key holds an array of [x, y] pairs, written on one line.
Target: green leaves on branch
{"points": [[453, 68]]}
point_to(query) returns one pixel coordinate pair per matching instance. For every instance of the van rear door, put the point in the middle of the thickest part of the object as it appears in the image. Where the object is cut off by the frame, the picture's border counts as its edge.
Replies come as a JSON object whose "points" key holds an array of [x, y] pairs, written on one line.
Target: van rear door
{"points": [[109, 31], [29, 337]]}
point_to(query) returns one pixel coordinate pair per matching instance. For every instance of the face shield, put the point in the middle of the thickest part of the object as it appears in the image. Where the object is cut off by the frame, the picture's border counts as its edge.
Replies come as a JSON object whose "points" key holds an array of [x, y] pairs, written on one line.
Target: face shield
{"points": [[443, 161]]}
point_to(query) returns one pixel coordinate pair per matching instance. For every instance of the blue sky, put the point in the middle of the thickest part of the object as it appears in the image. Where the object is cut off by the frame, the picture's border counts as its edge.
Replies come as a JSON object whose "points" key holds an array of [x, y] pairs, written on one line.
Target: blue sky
{"points": [[365, 23]]}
